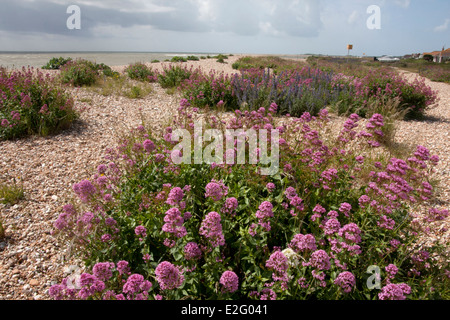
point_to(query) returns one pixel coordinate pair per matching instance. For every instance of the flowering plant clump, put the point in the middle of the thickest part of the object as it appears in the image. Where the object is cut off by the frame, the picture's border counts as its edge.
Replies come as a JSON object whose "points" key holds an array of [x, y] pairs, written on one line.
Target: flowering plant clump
{"points": [[300, 90], [32, 103], [312, 230], [382, 84], [173, 76], [436, 73], [79, 73], [140, 71], [213, 90], [56, 63]]}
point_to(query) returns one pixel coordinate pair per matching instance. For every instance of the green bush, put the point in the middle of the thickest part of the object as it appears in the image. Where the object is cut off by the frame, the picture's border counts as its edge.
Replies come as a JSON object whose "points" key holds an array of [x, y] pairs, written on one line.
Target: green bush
{"points": [[11, 193], [236, 66], [178, 59], [106, 70], [381, 84], [221, 57], [173, 76], [210, 90], [33, 103], [193, 58], [140, 71], [56, 63], [79, 73], [135, 92]]}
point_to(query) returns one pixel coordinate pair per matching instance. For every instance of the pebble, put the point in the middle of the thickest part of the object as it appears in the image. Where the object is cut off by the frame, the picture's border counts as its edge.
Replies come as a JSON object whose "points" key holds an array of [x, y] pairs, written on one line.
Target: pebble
{"points": [[33, 282]]}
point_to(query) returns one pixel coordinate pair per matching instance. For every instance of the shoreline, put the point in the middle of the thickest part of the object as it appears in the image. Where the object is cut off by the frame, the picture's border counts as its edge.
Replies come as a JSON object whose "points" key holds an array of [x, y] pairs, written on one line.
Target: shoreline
{"points": [[16, 60]]}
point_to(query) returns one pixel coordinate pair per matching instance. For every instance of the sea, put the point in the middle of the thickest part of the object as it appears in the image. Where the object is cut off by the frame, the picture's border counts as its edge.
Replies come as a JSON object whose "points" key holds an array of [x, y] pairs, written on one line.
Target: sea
{"points": [[39, 59], [12, 59]]}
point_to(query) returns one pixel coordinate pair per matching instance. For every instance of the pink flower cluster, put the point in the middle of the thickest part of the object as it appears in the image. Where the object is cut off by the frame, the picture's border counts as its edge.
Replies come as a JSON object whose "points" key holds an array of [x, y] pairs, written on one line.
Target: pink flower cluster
{"points": [[279, 263], [192, 251], [303, 243], [211, 228], [174, 223], [175, 197], [230, 206], [346, 280], [270, 187], [85, 190], [216, 190], [264, 214], [230, 281], [91, 286], [138, 286], [141, 231], [319, 259], [394, 292], [168, 276], [295, 200]]}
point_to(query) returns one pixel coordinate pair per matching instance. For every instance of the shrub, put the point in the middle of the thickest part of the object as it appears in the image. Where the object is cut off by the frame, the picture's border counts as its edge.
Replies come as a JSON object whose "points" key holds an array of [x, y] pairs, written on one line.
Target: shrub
{"points": [[178, 59], [106, 70], [152, 229], [32, 103], [221, 57], [122, 85], [79, 73], [173, 76], [294, 91], [140, 71], [428, 57], [210, 90], [155, 61], [276, 63], [11, 193], [381, 84], [236, 65], [193, 58], [436, 73], [391, 110], [56, 63]]}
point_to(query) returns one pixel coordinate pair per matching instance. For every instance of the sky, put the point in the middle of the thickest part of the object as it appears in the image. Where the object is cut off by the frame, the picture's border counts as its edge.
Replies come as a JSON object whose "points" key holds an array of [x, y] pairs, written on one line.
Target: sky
{"points": [[227, 26]]}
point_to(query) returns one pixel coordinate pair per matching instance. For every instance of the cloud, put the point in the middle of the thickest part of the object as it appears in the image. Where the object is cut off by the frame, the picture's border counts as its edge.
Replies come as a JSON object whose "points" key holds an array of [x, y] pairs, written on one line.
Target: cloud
{"points": [[299, 18], [442, 27], [403, 3], [353, 17]]}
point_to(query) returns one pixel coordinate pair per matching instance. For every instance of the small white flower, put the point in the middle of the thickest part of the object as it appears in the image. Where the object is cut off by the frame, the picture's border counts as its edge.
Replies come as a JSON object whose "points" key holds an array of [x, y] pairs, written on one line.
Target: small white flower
{"points": [[292, 257]]}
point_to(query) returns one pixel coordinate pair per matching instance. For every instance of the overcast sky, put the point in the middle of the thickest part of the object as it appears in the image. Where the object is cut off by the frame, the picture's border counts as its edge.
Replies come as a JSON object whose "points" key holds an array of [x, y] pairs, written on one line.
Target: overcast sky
{"points": [[227, 26]]}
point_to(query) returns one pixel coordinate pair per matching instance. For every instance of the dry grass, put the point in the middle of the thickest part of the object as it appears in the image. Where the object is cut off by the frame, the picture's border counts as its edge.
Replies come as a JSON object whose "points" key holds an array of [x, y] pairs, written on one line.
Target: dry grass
{"points": [[121, 85], [11, 193]]}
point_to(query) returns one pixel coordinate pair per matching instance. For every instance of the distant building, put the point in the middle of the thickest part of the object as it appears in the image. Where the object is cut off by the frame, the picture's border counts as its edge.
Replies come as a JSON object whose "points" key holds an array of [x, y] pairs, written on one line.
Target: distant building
{"points": [[439, 56], [412, 56], [387, 59]]}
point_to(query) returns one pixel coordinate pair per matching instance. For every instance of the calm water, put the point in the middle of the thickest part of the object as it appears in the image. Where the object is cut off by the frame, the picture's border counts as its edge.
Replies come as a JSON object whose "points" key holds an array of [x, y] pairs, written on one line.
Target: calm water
{"points": [[37, 60]]}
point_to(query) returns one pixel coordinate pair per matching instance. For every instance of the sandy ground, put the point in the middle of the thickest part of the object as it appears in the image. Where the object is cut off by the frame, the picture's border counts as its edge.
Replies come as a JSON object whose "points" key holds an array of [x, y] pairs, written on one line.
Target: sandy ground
{"points": [[31, 259]]}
